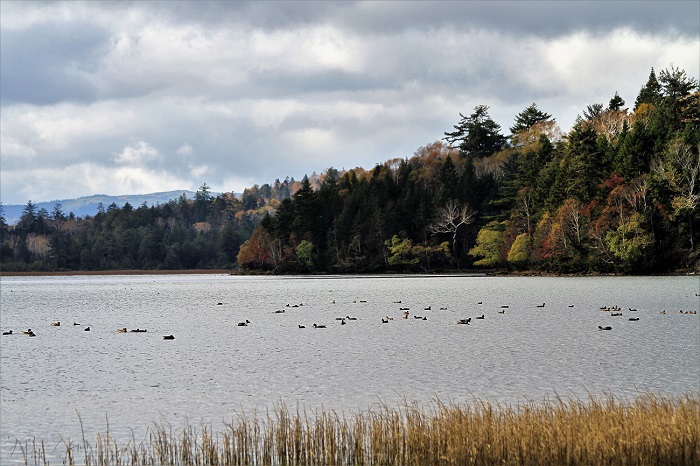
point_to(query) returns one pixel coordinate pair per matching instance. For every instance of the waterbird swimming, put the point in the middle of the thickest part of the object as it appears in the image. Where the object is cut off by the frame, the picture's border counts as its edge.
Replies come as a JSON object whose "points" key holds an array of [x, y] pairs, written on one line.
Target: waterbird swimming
{"points": [[87, 329], [169, 337], [9, 332], [604, 328], [55, 324], [319, 326], [482, 317]]}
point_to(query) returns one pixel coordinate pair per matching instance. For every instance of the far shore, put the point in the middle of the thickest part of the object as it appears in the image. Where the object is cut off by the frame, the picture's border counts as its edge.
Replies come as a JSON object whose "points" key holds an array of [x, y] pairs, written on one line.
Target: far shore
{"points": [[471, 272], [4, 273]]}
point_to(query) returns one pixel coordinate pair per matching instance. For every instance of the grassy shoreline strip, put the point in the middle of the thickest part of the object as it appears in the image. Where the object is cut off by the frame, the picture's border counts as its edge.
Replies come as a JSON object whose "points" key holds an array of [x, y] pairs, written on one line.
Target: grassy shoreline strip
{"points": [[650, 430]]}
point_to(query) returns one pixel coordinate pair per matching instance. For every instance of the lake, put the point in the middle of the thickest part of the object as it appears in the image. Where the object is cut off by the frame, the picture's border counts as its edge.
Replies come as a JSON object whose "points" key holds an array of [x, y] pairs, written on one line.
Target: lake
{"points": [[215, 369]]}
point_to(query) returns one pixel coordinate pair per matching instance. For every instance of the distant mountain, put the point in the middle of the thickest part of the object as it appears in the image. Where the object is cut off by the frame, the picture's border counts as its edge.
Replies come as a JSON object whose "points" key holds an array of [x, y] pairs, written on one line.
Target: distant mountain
{"points": [[87, 205]]}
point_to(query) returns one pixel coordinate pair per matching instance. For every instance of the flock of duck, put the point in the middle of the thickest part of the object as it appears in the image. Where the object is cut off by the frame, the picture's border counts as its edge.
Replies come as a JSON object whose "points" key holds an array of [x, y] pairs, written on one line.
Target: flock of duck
{"points": [[87, 329], [614, 311], [406, 313]]}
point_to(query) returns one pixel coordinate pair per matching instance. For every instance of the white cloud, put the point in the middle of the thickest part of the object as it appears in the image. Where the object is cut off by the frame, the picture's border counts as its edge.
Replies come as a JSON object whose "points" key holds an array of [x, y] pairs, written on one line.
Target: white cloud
{"points": [[185, 150], [11, 148], [138, 153]]}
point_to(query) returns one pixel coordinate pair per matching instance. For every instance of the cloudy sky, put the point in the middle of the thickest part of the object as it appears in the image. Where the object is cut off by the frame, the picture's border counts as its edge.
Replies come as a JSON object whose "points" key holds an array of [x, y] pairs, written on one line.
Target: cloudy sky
{"points": [[130, 98]]}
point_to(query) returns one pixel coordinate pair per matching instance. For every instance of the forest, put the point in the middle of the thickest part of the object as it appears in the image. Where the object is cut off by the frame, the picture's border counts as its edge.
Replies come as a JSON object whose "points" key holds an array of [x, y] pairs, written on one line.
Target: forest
{"points": [[618, 193]]}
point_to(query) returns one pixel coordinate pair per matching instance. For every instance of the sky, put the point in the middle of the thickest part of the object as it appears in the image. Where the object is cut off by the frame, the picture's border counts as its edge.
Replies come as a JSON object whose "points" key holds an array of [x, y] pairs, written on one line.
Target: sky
{"points": [[139, 97]]}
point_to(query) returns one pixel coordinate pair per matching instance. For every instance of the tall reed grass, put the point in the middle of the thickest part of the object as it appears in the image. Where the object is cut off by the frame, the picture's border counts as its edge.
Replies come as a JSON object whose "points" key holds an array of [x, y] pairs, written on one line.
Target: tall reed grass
{"points": [[650, 430]]}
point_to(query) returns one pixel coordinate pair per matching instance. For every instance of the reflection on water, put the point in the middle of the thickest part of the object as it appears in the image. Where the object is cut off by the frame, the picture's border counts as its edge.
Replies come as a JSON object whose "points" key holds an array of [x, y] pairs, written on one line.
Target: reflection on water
{"points": [[214, 368]]}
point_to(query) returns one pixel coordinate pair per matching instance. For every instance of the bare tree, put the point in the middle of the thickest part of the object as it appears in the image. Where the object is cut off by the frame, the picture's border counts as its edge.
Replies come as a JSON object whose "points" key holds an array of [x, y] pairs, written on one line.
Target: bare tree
{"points": [[680, 168], [449, 218]]}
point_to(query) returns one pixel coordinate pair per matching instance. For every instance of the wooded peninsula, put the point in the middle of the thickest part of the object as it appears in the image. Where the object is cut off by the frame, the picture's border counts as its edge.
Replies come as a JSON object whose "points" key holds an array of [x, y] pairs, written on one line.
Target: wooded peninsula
{"points": [[618, 193]]}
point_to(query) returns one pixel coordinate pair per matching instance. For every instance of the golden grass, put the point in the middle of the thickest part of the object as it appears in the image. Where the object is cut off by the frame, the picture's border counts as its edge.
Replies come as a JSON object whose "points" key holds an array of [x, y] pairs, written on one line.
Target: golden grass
{"points": [[650, 430]]}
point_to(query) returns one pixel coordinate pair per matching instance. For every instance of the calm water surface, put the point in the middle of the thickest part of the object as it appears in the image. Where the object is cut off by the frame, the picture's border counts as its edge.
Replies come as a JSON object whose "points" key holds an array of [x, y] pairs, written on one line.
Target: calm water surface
{"points": [[215, 369]]}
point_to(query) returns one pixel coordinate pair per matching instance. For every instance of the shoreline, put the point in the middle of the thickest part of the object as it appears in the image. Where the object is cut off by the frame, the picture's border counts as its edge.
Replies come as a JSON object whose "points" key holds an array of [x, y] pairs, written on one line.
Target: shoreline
{"points": [[119, 272], [488, 273]]}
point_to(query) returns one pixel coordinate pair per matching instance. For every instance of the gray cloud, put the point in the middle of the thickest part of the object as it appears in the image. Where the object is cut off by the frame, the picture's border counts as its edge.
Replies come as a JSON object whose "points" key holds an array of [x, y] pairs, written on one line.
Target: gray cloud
{"points": [[120, 97], [45, 64]]}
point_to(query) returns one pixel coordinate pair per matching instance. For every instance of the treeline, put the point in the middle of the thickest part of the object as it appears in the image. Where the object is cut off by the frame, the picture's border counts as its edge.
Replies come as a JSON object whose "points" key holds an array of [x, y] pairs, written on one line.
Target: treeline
{"points": [[199, 233], [618, 193]]}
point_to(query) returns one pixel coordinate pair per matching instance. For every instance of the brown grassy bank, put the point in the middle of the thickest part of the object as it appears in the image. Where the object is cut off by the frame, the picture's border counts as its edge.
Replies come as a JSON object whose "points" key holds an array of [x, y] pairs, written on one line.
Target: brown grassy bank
{"points": [[651, 430]]}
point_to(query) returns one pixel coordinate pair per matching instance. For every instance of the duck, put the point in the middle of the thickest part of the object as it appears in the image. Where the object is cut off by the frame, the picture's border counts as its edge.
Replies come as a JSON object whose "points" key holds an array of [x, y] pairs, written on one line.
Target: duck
{"points": [[169, 337], [613, 314], [389, 318], [443, 308], [464, 321], [281, 311], [243, 324], [55, 324], [632, 310], [9, 332], [405, 314], [138, 330], [87, 329], [351, 318], [604, 328], [542, 305], [219, 304], [571, 305], [662, 312], [28, 332], [76, 323], [319, 326], [480, 302], [302, 326], [482, 317], [633, 318], [385, 321], [427, 308], [121, 330], [504, 307], [502, 311]]}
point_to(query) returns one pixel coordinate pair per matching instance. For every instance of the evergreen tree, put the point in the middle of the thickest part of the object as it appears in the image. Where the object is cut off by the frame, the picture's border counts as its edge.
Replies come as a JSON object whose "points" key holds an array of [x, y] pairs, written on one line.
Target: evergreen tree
{"points": [[650, 93], [477, 135], [528, 118]]}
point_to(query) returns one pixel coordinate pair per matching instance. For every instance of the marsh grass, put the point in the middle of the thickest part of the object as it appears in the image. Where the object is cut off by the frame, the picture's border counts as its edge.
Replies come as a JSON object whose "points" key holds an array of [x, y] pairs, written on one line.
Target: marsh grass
{"points": [[649, 430]]}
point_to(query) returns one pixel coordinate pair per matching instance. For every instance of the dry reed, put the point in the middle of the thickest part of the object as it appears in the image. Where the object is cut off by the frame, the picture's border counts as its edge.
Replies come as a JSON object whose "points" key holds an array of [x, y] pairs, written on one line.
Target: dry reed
{"points": [[650, 430]]}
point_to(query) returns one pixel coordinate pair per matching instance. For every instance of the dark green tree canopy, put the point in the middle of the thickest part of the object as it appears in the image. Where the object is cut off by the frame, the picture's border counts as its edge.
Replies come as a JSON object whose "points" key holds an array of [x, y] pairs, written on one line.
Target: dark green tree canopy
{"points": [[477, 135], [650, 93], [616, 102], [528, 118]]}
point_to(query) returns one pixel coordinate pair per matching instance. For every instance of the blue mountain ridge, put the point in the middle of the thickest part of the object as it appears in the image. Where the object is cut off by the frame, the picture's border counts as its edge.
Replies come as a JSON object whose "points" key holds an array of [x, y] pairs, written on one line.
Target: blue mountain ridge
{"points": [[88, 205]]}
